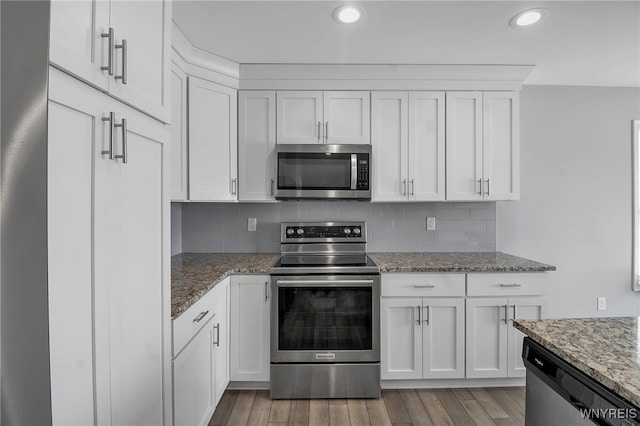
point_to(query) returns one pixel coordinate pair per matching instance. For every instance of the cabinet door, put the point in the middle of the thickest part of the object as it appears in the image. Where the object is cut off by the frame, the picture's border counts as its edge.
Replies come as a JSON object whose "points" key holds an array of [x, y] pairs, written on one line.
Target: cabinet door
{"points": [[426, 146], [486, 337], [443, 338], [145, 25], [221, 338], [533, 308], [75, 138], [400, 339], [250, 332], [178, 134], [346, 117], [464, 146], [389, 140], [193, 380], [256, 144], [138, 296], [212, 141], [501, 117], [76, 43], [299, 116]]}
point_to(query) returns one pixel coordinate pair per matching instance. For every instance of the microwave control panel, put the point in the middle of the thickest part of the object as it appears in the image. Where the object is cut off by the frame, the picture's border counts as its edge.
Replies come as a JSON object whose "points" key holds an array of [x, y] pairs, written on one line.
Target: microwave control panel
{"points": [[363, 172]]}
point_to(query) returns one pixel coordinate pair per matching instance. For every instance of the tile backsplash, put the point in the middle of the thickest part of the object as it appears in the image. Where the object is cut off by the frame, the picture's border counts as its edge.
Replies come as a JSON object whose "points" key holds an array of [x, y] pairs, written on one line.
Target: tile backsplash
{"points": [[222, 227]]}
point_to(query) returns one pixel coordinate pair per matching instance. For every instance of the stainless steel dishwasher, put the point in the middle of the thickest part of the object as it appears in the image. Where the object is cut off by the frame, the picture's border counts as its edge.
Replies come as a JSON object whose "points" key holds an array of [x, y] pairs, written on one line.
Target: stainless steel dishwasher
{"points": [[559, 394]]}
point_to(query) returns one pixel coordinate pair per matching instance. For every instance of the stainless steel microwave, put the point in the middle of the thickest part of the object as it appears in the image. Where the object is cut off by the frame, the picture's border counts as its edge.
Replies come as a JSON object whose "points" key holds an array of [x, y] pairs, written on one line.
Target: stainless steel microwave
{"points": [[323, 172]]}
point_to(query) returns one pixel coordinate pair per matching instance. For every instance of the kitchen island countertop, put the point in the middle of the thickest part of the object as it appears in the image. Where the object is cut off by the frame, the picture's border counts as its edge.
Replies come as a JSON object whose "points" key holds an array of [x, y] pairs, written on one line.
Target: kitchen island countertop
{"points": [[456, 262], [606, 349], [194, 274]]}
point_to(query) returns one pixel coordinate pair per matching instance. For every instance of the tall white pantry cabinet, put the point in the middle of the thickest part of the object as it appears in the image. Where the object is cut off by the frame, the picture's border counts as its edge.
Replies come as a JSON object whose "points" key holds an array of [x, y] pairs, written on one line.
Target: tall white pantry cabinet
{"points": [[108, 214]]}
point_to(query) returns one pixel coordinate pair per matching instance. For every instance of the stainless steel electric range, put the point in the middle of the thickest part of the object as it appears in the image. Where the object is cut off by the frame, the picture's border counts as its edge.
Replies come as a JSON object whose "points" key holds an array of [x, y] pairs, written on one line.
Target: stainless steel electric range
{"points": [[325, 313]]}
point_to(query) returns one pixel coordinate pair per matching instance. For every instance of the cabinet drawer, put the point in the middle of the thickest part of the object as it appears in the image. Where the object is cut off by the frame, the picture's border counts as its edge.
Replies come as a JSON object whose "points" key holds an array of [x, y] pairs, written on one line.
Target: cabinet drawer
{"points": [[423, 285], [507, 284], [192, 320]]}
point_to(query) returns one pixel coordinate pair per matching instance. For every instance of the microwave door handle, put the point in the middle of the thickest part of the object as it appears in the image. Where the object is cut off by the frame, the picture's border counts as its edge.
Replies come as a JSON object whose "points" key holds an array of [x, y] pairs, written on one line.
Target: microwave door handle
{"points": [[354, 171]]}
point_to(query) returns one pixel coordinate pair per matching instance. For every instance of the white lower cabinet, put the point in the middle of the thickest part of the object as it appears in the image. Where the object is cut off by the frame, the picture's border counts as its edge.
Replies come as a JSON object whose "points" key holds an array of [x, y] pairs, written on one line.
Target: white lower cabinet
{"points": [[249, 331], [422, 337], [193, 379], [494, 346], [201, 366]]}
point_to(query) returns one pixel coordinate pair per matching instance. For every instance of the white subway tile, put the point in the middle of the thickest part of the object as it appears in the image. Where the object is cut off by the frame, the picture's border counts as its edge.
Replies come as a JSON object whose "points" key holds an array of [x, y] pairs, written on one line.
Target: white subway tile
{"points": [[433, 246], [404, 246], [453, 235], [470, 225]]}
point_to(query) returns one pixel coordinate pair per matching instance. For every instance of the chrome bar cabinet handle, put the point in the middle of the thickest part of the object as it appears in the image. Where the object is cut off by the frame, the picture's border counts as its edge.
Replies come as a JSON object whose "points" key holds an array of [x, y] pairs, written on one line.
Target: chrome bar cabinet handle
{"points": [[404, 187], [514, 285], [272, 187], [412, 188], [505, 313], [488, 193], [266, 291], [319, 130], [426, 318], [200, 316], [481, 187], [514, 311], [110, 36], [217, 327], [111, 119], [424, 286], [419, 313], [123, 126], [234, 186], [326, 132], [123, 76]]}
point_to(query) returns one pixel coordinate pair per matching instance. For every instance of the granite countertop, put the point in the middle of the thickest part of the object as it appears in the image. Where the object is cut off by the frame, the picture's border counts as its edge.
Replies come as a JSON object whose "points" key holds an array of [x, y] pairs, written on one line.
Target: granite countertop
{"points": [[607, 349], [193, 274], [456, 262]]}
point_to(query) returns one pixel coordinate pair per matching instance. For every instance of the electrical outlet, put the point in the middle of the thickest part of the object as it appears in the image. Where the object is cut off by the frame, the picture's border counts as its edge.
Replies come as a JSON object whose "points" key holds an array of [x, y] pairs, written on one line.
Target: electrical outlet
{"points": [[252, 223], [602, 303], [431, 224]]}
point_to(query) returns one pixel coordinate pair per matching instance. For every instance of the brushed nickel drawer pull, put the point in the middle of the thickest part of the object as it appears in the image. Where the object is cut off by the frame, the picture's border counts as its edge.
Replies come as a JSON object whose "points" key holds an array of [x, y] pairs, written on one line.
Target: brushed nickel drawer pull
{"points": [[514, 285], [424, 286], [199, 317]]}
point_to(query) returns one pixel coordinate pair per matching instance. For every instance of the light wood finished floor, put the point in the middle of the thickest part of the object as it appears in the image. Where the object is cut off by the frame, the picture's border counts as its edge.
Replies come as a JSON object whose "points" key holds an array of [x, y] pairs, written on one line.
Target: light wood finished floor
{"points": [[473, 406]]}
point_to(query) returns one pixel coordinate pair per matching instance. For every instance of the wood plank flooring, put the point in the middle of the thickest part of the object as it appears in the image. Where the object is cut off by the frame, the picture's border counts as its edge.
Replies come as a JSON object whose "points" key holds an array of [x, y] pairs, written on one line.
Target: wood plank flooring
{"points": [[427, 407]]}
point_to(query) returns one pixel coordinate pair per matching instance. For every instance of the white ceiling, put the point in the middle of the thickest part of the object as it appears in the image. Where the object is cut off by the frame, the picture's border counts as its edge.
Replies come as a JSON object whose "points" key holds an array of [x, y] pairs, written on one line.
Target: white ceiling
{"points": [[594, 43]]}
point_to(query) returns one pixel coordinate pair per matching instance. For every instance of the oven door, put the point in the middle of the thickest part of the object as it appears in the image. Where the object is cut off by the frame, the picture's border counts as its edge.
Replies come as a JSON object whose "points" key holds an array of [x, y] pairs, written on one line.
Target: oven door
{"points": [[325, 318]]}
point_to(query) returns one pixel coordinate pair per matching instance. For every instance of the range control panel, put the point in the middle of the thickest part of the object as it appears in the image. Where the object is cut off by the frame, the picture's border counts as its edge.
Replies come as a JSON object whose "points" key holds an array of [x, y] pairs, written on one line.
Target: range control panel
{"points": [[298, 231]]}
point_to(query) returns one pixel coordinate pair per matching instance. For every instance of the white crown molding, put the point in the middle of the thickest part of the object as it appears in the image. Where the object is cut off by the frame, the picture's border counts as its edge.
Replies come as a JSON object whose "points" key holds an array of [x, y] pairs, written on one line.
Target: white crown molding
{"points": [[382, 77], [202, 63]]}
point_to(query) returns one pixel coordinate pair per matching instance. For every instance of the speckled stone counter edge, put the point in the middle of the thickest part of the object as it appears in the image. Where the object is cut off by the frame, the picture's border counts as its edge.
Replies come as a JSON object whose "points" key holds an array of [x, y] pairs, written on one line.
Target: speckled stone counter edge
{"points": [[396, 262], [581, 365]]}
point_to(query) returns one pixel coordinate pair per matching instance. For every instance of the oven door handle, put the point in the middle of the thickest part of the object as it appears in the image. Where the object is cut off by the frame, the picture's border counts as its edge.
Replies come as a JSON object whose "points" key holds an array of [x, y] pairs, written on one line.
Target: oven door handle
{"points": [[326, 283]]}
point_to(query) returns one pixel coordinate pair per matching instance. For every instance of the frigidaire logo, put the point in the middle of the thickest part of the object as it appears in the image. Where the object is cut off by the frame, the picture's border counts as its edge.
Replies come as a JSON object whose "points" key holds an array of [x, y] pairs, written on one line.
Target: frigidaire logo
{"points": [[609, 413], [540, 363]]}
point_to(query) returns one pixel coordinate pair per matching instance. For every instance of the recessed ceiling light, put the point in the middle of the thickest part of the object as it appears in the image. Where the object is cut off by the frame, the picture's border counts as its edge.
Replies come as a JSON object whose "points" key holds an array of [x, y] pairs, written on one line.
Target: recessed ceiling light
{"points": [[347, 14], [528, 17]]}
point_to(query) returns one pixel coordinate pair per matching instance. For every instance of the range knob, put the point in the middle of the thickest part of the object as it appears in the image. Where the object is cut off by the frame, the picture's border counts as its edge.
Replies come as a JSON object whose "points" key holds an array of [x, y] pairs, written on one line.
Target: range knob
{"points": [[300, 231], [347, 231], [289, 231], [356, 231]]}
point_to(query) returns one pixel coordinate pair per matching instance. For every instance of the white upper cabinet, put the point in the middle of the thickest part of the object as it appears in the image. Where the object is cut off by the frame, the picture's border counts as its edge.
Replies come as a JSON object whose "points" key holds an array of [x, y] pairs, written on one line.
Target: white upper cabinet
{"points": [[426, 146], [482, 146], [389, 140], [501, 132], [311, 117], [408, 146], [256, 144], [121, 47], [178, 134], [213, 145]]}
